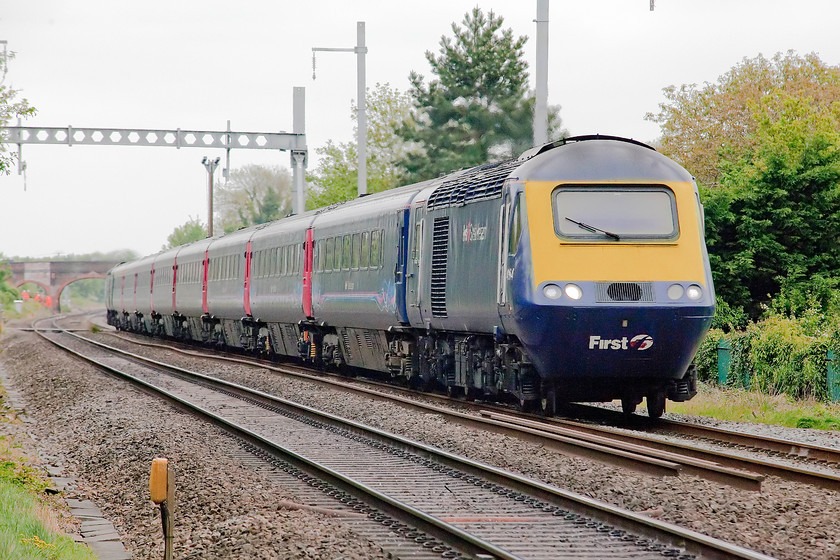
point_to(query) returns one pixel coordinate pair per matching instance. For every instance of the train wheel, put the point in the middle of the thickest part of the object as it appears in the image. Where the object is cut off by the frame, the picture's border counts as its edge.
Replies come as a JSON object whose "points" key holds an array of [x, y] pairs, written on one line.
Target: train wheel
{"points": [[548, 402], [525, 405], [628, 405], [656, 404]]}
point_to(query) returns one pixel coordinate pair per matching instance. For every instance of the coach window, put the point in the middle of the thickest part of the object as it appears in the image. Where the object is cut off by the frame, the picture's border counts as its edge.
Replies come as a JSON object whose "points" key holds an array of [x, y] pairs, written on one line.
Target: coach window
{"points": [[329, 253], [319, 251], [356, 248], [346, 253], [364, 258], [293, 255], [339, 249], [375, 248], [291, 258]]}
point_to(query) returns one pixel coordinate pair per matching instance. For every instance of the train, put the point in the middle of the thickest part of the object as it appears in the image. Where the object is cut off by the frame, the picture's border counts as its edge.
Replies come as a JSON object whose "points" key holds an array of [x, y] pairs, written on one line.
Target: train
{"points": [[576, 272]]}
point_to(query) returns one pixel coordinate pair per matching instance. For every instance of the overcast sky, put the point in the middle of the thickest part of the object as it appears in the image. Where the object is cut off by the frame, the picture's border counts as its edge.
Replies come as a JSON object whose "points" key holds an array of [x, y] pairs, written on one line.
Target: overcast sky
{"points": [[193, 65]]}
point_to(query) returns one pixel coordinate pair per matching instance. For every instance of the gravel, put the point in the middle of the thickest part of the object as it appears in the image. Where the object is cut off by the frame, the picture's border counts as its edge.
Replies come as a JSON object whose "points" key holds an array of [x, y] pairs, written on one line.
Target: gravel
{"points": [[125, 429], [106, 434]]}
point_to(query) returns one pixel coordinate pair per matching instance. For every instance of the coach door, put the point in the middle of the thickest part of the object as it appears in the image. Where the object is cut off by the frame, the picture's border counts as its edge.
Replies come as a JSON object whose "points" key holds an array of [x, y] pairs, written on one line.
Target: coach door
{"points": [[308, 251], [509, 233], [414, 299]]}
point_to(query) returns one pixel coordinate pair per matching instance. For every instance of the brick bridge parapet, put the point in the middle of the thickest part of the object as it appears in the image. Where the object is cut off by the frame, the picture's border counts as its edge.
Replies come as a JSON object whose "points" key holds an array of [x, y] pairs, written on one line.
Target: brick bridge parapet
{"points": [[54, 276]]}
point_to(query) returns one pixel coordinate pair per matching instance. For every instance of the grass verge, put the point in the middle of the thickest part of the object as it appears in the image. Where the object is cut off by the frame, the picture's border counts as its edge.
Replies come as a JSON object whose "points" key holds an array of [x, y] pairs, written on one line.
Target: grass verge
{"points": [[29, 529], [741, 405]]}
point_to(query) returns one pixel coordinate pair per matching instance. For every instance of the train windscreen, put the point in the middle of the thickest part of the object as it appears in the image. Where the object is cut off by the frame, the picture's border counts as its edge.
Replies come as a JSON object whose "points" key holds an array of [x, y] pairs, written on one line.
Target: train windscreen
{"points": [[614, 213]]}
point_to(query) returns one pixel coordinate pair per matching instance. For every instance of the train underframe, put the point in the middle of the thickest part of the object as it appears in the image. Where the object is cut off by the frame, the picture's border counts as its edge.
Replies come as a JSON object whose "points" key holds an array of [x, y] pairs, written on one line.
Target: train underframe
{"points": [[466, 365]]}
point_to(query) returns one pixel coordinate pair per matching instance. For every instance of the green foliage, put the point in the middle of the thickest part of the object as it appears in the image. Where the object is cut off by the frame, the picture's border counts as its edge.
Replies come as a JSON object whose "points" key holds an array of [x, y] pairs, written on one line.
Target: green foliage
{"points": [[120, 255], [25, 536], [742, 405], [785, 360], [84, 293], [10, 109], [336, 177], [8, 294], [785, 353], [706, 127], [478, 108], [192, 230], [22, 475], [776, 215], [706, 359], [254, 194], [728, 318]]}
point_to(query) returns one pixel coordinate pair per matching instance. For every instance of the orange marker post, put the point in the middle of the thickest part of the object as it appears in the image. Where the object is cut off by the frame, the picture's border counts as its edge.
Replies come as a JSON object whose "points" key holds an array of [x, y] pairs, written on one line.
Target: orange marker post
{"points": [[162, 490]]}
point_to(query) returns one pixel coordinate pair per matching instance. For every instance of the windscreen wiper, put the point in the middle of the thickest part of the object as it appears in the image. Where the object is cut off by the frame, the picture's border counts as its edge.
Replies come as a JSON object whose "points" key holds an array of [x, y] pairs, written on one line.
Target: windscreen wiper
{"points": [[594, 229]]}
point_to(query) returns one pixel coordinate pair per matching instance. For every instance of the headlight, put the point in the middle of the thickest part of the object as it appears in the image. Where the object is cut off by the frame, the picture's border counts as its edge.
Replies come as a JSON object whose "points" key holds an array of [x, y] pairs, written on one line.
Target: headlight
{"points": [[573, 291], [675, 291], [694, 292], [552, 291]]}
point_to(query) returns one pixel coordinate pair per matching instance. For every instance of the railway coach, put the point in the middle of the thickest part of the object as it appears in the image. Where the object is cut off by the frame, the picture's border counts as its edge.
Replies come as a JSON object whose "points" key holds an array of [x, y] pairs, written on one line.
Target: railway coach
{"points": [[576, 272]]}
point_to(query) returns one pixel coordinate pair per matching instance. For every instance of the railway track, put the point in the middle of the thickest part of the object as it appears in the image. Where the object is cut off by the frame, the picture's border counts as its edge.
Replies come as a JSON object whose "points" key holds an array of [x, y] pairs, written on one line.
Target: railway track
{"points": [[638, 449], [447, 506]]}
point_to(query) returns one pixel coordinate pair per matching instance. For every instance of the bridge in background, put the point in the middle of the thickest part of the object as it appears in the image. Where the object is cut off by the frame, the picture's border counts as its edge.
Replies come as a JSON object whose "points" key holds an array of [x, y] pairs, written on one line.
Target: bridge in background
{"points": [[54, 276]]}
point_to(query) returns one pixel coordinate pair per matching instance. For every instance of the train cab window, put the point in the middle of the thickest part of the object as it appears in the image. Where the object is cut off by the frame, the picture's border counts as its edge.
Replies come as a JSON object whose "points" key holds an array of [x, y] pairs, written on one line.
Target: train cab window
{"points": [[415, 249], [515, 225], [364, 257], [615, 213]]}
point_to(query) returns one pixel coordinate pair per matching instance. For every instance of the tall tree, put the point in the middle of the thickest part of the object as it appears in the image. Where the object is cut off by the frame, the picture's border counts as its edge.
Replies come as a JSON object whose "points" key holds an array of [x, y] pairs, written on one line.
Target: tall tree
{"points": [[775, 218], [335, 178], [9, 109], [705, 127], [254, 194], [192, 230], [478, 107]]}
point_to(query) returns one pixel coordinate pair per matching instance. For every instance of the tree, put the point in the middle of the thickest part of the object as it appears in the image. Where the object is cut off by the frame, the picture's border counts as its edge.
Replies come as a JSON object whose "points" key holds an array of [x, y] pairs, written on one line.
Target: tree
{"points": [[478, 107], [336, 177], [8, 294], [705, 127], [192, 230], [775, 218], [9, 109], [254, 194]]}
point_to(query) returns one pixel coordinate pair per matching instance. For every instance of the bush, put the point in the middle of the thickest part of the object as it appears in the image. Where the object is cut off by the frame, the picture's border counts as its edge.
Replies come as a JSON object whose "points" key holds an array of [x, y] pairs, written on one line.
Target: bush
{"points": [[785, 359], [782, 354]]}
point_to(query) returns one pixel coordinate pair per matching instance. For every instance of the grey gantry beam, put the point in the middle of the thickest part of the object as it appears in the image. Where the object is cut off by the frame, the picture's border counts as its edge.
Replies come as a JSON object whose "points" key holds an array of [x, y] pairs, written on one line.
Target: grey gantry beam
{"points": [[225, 139], [294, 142]]}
